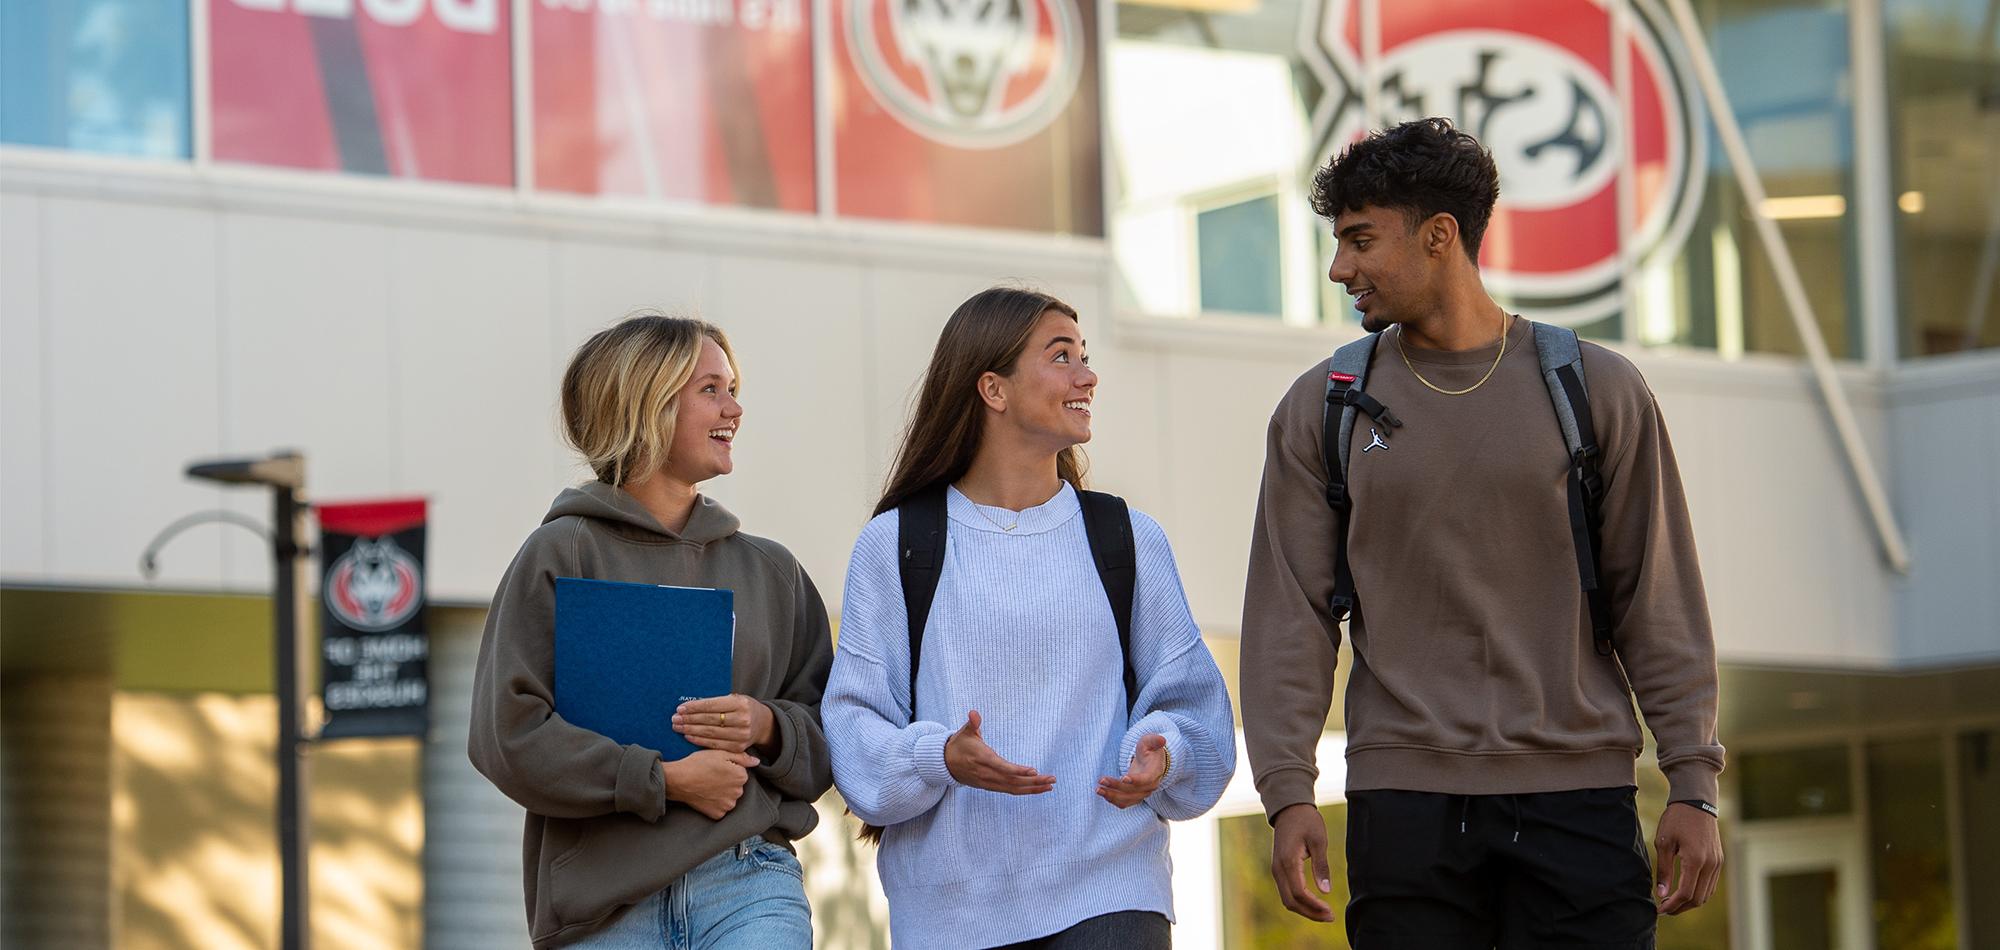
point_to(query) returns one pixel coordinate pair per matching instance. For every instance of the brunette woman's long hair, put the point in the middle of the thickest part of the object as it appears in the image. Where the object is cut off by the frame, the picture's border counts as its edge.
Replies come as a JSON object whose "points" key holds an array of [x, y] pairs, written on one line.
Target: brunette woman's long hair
{"points": [[986, 334]]}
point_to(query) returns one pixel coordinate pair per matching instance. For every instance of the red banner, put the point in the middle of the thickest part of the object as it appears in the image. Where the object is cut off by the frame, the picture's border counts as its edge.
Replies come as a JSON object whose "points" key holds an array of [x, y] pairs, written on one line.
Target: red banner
{"points": [[409, 88], [706, 101], [969, 112]]}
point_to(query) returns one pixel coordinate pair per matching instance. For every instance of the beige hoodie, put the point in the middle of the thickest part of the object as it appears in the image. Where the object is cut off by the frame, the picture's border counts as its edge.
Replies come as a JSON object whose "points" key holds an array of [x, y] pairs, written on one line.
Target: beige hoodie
{"points": [[600, 832]]}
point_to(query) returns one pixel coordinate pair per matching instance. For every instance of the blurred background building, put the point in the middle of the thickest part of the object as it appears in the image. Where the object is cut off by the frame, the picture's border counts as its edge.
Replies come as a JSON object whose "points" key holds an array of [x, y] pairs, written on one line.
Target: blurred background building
{"points": [[373, 230]]}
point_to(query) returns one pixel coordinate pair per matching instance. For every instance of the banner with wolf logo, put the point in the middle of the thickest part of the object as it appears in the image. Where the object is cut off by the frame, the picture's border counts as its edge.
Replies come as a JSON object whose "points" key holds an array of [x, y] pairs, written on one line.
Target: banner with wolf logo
{"points": [[969, 112], [374, 648]]}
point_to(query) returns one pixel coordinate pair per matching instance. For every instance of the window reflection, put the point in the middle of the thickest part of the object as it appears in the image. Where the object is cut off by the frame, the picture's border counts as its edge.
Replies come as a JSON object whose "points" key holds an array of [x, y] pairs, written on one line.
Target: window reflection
{"points": [[1944, 87]]}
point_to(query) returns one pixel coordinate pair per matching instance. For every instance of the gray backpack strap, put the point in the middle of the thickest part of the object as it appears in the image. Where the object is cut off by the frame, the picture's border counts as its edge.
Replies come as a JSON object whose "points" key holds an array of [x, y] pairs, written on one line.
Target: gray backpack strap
{"points": [[1350, 360], [1345, 377], [1562, 369]]}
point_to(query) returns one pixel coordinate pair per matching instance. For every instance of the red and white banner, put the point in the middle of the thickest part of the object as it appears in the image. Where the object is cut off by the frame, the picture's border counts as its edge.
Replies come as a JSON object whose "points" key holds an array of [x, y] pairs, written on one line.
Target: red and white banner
{"points": [[1535, 82], [706, 101], [969, 112], [409, 88]]}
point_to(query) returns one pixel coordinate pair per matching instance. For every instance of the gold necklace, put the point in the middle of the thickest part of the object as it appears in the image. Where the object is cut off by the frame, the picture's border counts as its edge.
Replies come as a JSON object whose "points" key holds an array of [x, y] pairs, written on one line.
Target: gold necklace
{"points": [[989, 518], [1506, 324]]}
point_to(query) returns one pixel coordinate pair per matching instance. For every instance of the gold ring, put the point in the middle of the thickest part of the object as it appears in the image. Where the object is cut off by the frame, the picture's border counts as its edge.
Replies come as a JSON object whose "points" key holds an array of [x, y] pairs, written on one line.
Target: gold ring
{"points": [[721, 719]]}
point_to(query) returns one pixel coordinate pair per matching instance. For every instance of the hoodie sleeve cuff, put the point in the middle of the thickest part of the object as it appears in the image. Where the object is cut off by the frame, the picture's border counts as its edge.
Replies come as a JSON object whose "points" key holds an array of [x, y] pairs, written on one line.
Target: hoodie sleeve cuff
{"points": [[785, 736], [1692, 780], [1283, 788], [928, 753], [641, 790]]}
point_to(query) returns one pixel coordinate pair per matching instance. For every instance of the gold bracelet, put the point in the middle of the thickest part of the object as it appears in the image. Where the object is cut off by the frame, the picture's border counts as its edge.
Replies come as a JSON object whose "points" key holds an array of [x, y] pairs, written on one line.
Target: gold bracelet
{"points": [[1168, 754]]}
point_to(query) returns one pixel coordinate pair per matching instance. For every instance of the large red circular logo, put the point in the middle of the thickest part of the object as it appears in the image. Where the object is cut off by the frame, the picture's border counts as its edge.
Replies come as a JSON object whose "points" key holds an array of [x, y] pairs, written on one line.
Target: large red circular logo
{"points": [[1536, 83], [969, 73]]}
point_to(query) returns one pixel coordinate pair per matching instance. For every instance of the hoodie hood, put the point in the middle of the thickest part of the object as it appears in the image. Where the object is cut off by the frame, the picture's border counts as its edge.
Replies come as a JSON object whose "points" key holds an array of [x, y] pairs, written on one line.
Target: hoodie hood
{"points": [[595, 500]]}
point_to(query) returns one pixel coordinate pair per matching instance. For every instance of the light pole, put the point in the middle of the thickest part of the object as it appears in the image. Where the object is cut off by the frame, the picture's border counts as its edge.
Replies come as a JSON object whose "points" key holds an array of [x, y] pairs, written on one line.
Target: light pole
{"points": [[285, 473]]}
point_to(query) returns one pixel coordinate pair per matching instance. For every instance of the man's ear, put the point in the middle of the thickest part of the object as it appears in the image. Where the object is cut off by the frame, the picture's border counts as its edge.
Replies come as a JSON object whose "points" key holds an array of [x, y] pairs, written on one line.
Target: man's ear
{"points": [[1440, 234], [992, 389]]}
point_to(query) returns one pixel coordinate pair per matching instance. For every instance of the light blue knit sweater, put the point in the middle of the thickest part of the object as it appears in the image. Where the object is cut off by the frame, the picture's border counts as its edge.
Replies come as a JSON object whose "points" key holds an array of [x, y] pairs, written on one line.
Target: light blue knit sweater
{"points": [[1022, 632]]}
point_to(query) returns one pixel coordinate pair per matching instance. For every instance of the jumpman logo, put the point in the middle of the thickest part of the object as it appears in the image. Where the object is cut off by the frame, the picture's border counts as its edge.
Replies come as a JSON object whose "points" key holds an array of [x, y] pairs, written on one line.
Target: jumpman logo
{"points": [[1375, 441]]}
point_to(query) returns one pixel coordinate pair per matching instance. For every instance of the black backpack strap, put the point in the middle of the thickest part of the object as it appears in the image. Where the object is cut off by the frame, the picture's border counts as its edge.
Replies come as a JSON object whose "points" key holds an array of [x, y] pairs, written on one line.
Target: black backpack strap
{"points": [[1346, 375], [1107, 522], [1562, 369], [920, 537]]}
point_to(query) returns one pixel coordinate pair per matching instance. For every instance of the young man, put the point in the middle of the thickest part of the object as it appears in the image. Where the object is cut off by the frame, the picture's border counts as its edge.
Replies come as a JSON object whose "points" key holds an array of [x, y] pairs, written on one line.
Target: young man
{"points": [[1491, 740]]}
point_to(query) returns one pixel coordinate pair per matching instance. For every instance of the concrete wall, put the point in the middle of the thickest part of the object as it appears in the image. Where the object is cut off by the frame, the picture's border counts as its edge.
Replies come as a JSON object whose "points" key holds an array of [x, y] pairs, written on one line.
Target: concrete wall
{"points": [[408, 339]]}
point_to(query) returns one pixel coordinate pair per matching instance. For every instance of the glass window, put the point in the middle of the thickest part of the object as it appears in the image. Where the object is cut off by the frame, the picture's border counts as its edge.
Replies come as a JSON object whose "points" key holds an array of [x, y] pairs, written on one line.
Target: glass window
{"points": [[1211, 109], [694, 101], [1911, 844], [1979, 842], [1239, 257], [1944, 88], [1795, 783], [1252, 914], [409, 89], [106, 76], [1721, 290]]}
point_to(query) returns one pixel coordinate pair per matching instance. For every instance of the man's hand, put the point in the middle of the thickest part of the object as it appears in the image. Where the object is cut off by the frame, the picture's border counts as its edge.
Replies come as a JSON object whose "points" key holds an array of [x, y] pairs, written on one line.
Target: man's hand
{"points": [[1300, 834], [731, 723], [972, 762], [1141, 778], [1687, 837], [710, 781]]}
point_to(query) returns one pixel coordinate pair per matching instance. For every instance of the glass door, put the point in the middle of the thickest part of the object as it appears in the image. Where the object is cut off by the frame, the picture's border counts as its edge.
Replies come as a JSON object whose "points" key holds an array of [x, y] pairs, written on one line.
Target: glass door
{"points": [[1804, 886]]}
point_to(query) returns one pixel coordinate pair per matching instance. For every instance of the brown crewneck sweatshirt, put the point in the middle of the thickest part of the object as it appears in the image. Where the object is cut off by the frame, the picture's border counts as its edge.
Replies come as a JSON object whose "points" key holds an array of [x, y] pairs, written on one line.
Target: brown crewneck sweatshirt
{"points": [[1474, 671]]}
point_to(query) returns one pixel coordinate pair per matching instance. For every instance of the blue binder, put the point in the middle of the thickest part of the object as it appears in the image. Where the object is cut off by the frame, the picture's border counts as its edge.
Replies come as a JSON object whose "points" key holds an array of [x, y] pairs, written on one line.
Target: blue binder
{"points": [[628, 654]]}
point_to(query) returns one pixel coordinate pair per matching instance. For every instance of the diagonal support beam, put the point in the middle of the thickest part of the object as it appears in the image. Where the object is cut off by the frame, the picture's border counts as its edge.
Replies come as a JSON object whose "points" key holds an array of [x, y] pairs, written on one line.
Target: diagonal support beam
{"points": [[1793, 288]]}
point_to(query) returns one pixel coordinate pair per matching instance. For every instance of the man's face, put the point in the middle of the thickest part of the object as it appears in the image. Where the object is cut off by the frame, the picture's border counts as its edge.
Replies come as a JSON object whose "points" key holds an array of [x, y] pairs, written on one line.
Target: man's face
{"points": [[1382, 262]]}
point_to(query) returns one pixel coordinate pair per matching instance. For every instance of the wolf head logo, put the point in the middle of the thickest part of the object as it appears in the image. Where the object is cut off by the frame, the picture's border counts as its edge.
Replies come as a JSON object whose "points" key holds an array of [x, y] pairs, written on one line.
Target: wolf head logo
{"points": [[969, 73], [968, 49], [375, 586]]}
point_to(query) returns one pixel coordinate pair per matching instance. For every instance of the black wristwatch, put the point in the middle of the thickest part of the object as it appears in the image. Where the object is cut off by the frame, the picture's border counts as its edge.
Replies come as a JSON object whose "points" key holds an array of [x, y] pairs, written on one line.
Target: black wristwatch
{"points": [[1698, 803]]}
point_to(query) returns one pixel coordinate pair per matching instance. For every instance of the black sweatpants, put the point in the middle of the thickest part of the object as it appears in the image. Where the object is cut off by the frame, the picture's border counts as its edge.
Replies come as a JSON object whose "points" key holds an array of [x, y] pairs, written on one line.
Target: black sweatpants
{"points": [[1552, 870]]}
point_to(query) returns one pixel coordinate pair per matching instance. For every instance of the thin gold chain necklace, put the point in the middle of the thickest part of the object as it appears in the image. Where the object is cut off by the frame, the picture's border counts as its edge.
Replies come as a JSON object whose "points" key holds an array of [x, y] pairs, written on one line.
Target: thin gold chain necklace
{"points": [[990, 520], [1506, 324]]}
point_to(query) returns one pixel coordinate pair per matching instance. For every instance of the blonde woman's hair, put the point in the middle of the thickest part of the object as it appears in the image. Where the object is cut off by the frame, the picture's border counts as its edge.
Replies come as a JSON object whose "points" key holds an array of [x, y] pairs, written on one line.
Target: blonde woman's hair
{"points": [[622, 390]]}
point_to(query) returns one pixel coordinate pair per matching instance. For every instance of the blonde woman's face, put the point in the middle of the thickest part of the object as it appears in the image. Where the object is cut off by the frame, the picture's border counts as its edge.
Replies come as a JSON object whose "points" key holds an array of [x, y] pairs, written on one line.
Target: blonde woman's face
{"points": [[706, 421]]}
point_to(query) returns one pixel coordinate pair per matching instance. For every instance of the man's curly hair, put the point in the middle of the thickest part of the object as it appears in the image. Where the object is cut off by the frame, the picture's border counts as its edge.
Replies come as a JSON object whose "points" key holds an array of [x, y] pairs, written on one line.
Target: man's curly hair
{"points": [[1421, 168]]}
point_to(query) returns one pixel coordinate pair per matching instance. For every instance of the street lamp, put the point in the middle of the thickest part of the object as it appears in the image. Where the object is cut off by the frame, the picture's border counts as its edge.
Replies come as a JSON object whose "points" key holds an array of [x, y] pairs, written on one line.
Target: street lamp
{"points": [[285, 473]]}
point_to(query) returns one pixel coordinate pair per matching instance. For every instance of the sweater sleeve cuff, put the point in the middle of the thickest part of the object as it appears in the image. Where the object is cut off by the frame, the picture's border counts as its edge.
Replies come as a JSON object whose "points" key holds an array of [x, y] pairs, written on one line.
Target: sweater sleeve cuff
{"points": [[1692, 779], [1283, 788], [641, 789], [785, 735], [929, 755]]}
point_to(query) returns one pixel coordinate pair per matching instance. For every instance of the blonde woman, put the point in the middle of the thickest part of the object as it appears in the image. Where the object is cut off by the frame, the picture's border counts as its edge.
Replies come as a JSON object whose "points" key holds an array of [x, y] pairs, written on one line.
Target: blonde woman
{"points": [[621, 849]]}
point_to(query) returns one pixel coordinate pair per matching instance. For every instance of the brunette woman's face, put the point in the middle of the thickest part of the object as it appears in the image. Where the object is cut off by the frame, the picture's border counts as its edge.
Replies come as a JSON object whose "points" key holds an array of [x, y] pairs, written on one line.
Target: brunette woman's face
{"points": [[1048, 396], [706, 421]]}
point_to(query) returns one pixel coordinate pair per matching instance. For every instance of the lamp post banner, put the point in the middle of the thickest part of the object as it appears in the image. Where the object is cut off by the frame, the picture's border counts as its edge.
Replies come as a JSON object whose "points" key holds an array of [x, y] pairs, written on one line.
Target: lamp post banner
{"points": [[374, 649]]}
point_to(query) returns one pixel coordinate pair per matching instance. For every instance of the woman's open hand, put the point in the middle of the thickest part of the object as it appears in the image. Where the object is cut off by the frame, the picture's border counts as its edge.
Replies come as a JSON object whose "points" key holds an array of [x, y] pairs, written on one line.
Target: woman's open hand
{"points": [[972, 762], [1141, 778]]}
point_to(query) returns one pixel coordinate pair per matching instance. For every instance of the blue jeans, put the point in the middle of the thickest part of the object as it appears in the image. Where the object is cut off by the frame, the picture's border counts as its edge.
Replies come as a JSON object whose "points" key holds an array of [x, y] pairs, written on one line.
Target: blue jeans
{"points": [[750, 897]]}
